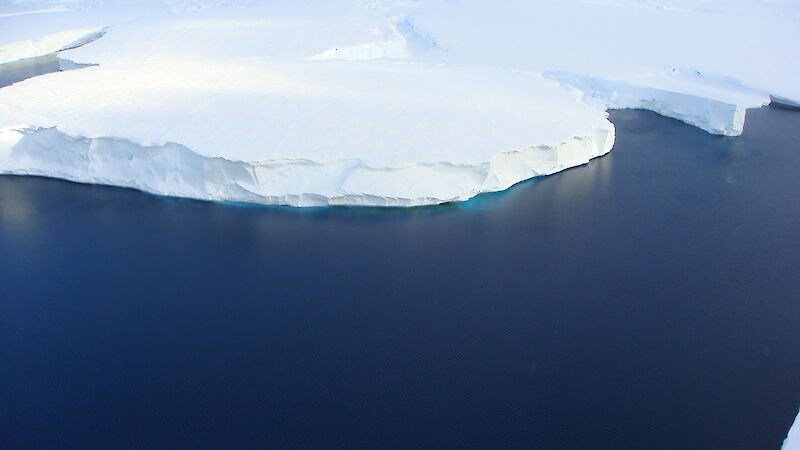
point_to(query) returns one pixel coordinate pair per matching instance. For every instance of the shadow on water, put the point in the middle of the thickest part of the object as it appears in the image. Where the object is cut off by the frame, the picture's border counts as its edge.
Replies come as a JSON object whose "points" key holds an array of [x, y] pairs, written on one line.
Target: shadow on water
{"points": [[645, 300]]}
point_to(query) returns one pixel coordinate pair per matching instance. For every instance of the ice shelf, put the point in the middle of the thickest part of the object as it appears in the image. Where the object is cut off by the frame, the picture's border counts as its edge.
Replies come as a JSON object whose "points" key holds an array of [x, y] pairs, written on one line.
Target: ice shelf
{"points": [[382, 103]]}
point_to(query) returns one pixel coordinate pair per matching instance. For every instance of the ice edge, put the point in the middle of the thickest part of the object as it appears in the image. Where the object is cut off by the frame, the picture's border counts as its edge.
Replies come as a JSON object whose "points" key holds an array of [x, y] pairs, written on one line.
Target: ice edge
{"points": [[177, 171]]}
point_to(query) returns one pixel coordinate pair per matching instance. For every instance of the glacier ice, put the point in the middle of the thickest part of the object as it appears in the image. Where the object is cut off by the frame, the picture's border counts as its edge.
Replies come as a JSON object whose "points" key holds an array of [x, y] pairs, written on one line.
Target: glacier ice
{"points": [[369, 103]]}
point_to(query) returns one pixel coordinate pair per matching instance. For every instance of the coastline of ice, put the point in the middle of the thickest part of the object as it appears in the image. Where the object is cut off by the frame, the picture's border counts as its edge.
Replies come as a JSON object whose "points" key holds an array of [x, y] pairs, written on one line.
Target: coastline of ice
{"points": [[369, 103], [174, 170]]}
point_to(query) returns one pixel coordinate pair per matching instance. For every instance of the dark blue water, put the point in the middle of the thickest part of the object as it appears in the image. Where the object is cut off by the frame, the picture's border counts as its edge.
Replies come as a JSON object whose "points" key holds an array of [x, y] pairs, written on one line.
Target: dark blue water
{"points": [[650, 299]]}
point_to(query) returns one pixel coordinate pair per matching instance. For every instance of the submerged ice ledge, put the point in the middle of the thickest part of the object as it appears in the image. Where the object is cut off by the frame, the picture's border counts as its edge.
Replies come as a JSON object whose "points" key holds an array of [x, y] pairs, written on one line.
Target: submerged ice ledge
{"points": [[174, 170]]}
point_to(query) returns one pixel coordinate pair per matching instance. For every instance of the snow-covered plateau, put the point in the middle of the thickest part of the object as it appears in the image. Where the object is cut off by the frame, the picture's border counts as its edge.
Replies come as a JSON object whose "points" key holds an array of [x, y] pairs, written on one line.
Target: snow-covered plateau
{"points": [[368, 102]]}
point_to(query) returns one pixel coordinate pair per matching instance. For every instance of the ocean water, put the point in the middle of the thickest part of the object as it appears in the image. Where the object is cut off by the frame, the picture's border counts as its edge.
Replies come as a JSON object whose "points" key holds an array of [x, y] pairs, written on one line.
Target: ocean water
{"points": [[650, 299]]}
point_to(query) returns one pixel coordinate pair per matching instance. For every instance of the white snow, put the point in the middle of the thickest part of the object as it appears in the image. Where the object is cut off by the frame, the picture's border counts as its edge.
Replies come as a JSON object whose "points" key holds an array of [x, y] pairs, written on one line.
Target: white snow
{"points": [[792, 441], [371, 102]]}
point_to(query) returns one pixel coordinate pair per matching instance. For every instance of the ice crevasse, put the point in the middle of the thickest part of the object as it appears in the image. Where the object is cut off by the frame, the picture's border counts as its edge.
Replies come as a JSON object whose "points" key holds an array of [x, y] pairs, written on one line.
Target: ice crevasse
{"points": [[335, 103]]}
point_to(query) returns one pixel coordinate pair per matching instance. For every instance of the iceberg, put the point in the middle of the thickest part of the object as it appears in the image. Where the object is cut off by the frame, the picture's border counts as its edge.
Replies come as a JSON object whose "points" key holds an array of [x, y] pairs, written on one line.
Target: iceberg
{"points": [[298, 133], [385, 103]]}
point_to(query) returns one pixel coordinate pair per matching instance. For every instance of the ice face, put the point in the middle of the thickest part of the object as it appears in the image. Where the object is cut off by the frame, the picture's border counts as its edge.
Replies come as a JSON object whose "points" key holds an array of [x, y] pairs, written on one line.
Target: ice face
{"points": [[175, 170], [714, 104]]}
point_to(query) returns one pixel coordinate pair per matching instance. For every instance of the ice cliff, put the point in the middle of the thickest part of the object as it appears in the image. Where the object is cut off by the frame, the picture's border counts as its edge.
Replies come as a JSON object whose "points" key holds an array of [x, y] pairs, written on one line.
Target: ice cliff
{"points": [[352, 102], [714, 104]]}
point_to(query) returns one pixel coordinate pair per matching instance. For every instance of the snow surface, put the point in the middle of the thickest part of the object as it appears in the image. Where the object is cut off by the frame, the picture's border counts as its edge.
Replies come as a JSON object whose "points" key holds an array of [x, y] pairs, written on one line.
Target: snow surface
{"points": [[370, 102]]}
